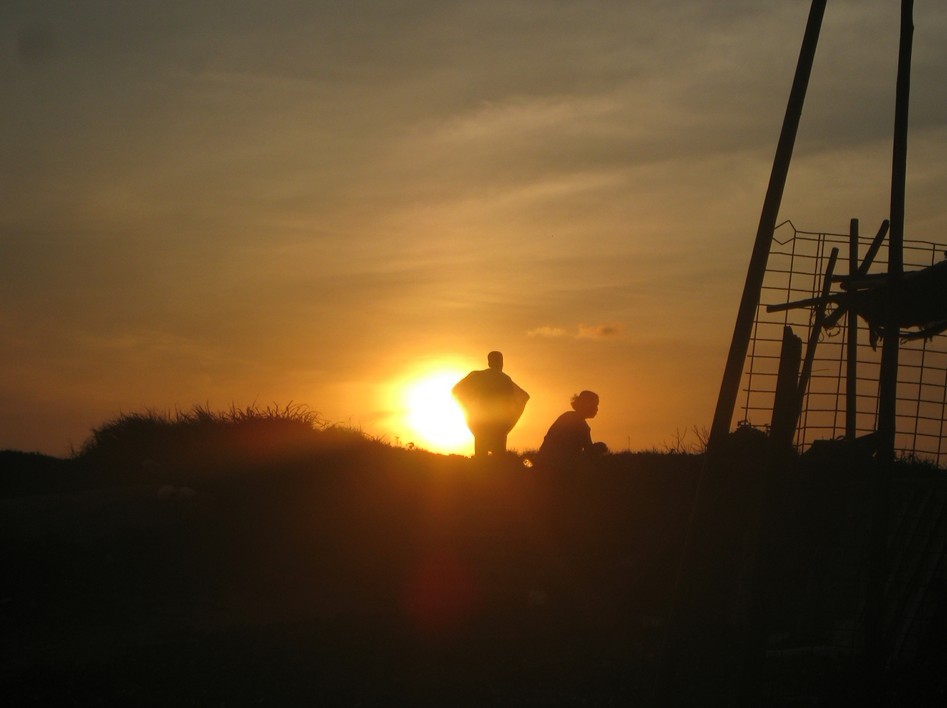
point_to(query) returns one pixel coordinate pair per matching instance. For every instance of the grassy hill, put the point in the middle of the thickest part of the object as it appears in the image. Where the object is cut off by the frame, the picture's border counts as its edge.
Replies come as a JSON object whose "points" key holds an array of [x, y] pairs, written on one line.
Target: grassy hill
{"points": [[265, 558]]}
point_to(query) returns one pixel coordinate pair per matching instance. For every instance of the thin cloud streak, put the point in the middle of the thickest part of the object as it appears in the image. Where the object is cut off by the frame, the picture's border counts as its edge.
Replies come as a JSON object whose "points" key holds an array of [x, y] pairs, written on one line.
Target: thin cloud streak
{"points": [[581, 331], [547, 331], [609, 331]]}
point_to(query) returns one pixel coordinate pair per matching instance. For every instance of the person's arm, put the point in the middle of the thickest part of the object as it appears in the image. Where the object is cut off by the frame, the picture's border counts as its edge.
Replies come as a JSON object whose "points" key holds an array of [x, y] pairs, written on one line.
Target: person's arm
{"points": [[462, 389], [516, 402], [587, 439]]}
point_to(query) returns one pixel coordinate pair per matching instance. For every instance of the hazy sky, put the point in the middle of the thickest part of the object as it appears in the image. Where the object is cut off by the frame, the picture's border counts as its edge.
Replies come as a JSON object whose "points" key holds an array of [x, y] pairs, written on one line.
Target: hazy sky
{"points": [[262, 202]]}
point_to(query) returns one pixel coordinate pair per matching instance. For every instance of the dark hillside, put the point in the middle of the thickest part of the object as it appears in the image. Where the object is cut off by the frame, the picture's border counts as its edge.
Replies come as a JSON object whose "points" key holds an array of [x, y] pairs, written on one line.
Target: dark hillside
{"points": [[303, 566], [348, 571]]}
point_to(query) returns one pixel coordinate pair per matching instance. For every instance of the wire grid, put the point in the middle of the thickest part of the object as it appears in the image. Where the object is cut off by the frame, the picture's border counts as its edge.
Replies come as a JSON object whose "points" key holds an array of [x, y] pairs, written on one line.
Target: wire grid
{"points": [[795, 271]]}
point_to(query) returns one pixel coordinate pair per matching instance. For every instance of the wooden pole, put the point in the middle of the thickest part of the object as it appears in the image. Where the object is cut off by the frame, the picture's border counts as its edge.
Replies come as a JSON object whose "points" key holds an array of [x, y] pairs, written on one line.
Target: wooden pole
{"points": [[834, 318], [693, 666], [786, 401], [889, 354], [874, 247], [888, 384], [851, 363], [816, 331], [766, 533], [739, 344]]}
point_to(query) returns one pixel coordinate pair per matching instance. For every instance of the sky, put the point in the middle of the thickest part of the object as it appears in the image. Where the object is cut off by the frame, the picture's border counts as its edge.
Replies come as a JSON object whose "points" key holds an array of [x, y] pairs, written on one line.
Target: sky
{"points": [[319, 203]]}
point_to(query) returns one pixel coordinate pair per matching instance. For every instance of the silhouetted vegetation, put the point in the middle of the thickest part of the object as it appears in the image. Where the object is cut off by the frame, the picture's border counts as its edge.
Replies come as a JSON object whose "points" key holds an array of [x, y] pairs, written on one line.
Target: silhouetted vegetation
{"points": [[202, 439]]}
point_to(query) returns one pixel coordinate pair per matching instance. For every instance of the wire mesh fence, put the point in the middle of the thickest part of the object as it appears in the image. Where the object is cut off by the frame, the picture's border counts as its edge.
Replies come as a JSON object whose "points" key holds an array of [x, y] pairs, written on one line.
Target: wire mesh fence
{"points": [[796, 268]]}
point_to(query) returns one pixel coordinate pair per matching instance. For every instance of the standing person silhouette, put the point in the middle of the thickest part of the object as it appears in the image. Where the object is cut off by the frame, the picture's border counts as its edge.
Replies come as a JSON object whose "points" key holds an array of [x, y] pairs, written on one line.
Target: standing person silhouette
{"points": [[492, 405], [569, 440]]}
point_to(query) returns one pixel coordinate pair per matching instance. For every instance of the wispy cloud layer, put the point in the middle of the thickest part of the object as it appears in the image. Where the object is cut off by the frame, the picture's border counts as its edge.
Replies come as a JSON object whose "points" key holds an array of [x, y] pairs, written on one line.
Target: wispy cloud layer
{"points": [[343, 188]]}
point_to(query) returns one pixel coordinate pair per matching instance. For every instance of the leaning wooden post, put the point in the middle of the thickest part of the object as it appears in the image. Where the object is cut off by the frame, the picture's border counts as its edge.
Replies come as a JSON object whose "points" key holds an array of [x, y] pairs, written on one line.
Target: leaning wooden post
{"points": [[888, 384], [851, 363], [740, 342], [691, 665]]}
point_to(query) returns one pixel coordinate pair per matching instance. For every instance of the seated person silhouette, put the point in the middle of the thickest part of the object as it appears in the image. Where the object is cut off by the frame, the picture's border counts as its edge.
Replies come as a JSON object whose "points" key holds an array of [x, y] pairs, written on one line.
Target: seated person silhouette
{"points": [[492, 405], [569, 440]]}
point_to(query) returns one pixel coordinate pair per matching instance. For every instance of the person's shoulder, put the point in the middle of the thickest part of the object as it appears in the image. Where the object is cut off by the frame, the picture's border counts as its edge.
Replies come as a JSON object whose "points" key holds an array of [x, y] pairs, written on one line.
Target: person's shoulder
{"points": [[494, 376], [466, 381]]}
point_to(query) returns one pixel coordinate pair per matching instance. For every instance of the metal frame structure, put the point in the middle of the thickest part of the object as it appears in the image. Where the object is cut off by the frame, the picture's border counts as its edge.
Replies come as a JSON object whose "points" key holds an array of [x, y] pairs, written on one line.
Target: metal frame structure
{"points": [[835, 404]]}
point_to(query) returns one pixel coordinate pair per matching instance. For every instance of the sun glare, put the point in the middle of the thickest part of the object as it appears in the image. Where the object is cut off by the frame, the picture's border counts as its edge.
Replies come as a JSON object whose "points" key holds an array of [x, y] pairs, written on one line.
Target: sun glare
{"points": [[433, 416]]}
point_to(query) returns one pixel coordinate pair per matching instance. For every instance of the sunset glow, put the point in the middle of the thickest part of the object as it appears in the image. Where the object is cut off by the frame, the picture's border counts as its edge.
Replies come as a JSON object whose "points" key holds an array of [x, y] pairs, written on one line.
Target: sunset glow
{"points": [[432, 415], [333, 204]]}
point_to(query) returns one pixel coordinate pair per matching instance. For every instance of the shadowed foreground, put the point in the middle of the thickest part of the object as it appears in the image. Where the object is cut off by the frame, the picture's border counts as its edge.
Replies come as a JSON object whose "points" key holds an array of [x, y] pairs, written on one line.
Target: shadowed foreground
{"points": [[355, 574], [344, 572]]}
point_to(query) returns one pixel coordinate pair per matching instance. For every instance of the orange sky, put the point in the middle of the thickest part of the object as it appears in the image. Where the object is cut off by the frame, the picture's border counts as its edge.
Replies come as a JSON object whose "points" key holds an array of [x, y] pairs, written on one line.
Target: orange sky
{"points": [[316, 202]]}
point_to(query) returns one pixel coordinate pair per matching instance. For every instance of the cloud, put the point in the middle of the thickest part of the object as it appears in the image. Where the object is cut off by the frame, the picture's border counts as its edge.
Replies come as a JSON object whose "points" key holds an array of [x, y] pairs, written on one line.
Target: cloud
{"points": [[602, 331], [546, 331]]}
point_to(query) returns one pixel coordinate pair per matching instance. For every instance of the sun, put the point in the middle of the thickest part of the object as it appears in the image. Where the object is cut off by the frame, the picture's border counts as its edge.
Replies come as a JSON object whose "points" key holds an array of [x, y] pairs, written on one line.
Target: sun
{"points": [[432, 415]]}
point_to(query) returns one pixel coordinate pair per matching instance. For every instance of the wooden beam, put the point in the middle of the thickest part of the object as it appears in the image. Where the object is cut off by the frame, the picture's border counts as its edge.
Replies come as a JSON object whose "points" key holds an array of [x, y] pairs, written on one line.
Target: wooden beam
{"points": [[816, 330], [740, 342]]}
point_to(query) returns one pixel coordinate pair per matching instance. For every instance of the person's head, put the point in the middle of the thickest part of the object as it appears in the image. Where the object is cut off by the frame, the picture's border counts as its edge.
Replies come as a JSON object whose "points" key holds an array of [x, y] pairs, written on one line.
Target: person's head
{"points": [[495, 360], [585, 404]]}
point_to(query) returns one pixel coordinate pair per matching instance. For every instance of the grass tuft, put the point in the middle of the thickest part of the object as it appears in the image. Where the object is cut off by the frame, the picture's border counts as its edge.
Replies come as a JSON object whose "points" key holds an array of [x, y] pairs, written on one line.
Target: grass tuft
{"points": [[202, 438]]}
